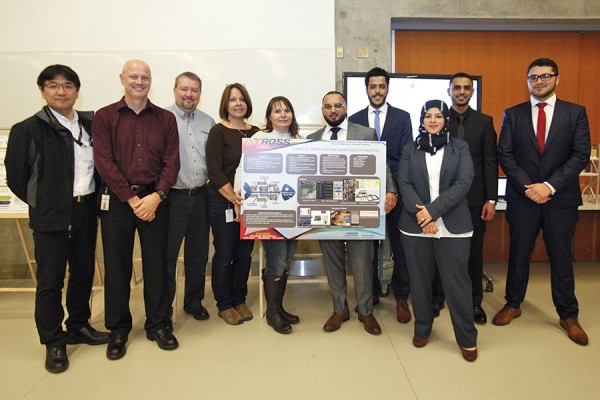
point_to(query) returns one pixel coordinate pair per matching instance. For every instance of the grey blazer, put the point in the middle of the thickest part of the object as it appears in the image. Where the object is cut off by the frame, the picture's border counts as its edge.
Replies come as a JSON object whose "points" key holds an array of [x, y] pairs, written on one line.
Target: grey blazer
{"points": [[359, 132], [455, 181]]}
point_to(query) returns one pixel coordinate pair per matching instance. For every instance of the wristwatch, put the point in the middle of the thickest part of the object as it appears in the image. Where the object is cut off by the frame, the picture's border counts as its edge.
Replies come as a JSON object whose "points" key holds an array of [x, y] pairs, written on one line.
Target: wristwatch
{"points": [[492, 202], [161, 194]]}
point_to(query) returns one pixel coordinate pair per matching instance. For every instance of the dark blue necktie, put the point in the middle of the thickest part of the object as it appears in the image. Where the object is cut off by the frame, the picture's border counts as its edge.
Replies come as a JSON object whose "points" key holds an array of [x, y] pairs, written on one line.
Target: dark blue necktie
{"points": [[334, 132]]}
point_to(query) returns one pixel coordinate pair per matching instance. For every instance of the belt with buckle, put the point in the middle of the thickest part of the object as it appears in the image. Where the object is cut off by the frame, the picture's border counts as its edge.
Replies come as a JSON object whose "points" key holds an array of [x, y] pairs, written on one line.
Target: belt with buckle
{"points": [[85, 197], [188, 192], [142, 188]]}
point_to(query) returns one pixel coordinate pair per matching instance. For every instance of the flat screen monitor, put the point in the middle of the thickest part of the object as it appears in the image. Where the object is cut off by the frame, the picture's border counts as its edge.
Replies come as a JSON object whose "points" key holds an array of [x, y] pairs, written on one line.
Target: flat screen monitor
{"points": [[406, 91]]}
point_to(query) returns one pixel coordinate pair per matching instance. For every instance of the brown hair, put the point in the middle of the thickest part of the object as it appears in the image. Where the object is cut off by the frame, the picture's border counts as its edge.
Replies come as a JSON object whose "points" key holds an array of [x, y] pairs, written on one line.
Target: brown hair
{"points": [[190, 75], [272, 103], [223, 113]]}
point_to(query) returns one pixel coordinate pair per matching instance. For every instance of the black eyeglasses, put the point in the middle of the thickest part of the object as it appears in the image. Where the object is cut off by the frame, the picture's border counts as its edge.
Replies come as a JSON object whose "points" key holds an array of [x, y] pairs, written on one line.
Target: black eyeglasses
{"points": [[544, 77]]}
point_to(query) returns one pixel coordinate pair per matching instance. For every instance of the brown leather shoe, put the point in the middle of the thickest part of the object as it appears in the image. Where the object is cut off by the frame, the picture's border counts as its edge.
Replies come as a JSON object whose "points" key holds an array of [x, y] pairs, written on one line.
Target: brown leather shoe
{"points": [[419, 341], [574, 330], [244, 312], [231, 316], [335, 321], [403, 312], [370, 324], [469, 355], [507, 314]]}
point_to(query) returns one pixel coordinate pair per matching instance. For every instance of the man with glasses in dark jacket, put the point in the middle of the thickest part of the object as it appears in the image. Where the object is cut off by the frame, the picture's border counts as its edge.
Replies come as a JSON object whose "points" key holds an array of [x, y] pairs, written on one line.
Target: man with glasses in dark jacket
{"points": [[50, 166]]}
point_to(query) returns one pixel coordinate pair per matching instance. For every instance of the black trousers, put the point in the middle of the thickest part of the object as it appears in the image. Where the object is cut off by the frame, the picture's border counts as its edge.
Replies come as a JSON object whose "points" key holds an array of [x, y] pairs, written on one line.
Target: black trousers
{"points": [[119, 225], [558, 226], [53, 250], [232, 259], [188, 217]]}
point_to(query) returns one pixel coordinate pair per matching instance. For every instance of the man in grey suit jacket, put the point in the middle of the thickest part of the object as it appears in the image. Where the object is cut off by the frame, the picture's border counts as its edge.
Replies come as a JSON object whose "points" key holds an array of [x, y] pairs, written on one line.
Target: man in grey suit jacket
{"points": [[544, 144], [360, 252]]}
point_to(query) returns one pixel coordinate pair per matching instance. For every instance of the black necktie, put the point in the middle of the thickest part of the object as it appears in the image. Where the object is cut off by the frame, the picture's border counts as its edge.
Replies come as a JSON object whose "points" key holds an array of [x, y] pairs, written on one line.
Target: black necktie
{"points": [[460, 131], [334, 132]]}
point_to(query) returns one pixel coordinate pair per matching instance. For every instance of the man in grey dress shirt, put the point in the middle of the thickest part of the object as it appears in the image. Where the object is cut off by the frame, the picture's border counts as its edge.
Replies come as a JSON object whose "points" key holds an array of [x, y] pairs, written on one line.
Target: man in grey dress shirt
{"points": [[189, 208]]}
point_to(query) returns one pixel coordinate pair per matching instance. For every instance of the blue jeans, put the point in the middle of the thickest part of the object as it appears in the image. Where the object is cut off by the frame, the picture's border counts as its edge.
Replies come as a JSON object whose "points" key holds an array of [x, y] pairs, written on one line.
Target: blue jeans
{"points": [[279, 256], [232, 258]]}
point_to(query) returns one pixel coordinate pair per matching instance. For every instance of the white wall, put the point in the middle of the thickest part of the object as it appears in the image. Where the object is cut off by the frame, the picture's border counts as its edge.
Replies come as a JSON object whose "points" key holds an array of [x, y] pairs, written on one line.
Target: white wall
{"points": [[273, 47]]}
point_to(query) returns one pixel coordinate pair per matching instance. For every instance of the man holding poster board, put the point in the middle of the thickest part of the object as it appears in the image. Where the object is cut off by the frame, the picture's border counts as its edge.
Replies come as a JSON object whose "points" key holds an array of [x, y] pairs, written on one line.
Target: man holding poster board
{"points": [[359, 252]]}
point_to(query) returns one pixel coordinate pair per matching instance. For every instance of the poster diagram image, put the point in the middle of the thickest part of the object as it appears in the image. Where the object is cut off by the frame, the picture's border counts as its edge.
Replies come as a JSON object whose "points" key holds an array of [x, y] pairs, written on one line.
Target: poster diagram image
{"points": [[367, 190], [341, 218], [364, 195], [320, 217], [339, 190], [264, 191]]}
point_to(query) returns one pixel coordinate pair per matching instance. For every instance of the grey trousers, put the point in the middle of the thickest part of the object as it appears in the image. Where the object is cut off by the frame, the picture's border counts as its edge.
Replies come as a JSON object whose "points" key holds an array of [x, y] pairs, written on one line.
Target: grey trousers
{"points": [[451, 256], [360, 256]]}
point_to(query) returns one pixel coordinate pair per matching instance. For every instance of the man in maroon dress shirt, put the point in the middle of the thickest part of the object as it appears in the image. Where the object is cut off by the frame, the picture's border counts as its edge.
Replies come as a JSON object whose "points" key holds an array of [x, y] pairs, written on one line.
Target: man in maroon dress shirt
{"points": [[136, 148]]}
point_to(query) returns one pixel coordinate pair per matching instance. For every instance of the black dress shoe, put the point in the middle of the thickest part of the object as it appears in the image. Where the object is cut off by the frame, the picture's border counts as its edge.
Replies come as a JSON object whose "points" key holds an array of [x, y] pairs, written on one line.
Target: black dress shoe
{"points": [[56, 359], [479, 315], [169, 325], [163, 338], [199, 313], [88, 335], [116, 346], [437, 307]]}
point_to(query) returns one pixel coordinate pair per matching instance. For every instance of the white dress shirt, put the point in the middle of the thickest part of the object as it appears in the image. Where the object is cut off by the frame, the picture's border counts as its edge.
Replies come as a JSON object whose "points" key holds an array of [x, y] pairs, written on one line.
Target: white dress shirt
{"points": [[83, 179]]}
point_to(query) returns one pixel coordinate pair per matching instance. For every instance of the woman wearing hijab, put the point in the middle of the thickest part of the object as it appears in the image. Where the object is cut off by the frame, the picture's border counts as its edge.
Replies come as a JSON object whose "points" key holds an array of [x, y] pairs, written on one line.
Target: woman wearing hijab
{"points": [[435, 175]]}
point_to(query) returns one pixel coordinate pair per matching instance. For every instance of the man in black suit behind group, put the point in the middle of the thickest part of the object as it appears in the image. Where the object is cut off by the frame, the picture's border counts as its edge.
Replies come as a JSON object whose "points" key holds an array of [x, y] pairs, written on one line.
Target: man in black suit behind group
{"points": [[544, 144], [478, 131], [393, 126]]}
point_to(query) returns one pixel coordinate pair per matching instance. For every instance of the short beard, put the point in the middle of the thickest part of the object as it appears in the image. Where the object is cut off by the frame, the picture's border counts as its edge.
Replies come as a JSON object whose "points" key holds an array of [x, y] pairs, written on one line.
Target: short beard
{"points": [[334, 123], [375, 106]]}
